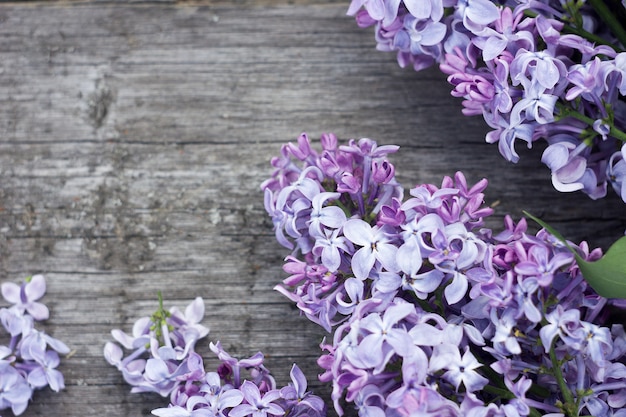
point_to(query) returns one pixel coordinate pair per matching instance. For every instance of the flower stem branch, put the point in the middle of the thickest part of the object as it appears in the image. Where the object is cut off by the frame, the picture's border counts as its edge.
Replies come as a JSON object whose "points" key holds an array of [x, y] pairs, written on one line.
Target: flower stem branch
{"points": [[566, 111], [569, 407], [608, 17]]}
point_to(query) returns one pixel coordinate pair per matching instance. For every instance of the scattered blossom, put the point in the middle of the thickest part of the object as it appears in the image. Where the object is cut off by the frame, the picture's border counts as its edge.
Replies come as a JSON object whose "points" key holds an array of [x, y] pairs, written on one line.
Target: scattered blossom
{"points": [[30, 360], [164, 361]]}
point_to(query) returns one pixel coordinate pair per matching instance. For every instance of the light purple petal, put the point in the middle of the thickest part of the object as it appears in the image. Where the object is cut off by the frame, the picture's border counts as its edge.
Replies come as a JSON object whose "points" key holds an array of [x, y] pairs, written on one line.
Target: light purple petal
{"points": [[11, 292], [56, 344], [358, 232], [299, 380], [39, 311], [362, 262], [482, 11], [333, 216], [195, 310], [242, 410], [433, 34], [230, 398], [37, 378], [156, 370], [386, 254], [370, 350], [251, 392], [174, 411], [331, 258], [456, 290], [55, 380], [409, 258], [401, 341], [494, 47], [419, 8], [36, 288]]}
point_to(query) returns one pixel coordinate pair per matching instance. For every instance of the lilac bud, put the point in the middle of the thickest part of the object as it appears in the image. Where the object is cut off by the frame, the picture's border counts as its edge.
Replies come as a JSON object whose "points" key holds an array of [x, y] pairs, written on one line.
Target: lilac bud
{"points": [[382, 172]]}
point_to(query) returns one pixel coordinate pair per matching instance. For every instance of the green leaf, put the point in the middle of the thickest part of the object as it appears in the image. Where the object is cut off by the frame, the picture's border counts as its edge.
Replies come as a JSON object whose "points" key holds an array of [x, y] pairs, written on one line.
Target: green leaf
{"points": [[607, 276]]}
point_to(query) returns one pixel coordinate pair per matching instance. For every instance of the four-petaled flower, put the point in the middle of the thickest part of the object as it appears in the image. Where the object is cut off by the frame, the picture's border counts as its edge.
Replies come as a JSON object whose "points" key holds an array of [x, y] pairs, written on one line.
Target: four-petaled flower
{"points": [[376, 245], [255, 404]]}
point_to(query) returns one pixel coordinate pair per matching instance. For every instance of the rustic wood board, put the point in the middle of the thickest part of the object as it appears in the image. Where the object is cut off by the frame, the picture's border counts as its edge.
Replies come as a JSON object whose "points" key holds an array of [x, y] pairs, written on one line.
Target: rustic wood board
{"points": [[134, 137]]}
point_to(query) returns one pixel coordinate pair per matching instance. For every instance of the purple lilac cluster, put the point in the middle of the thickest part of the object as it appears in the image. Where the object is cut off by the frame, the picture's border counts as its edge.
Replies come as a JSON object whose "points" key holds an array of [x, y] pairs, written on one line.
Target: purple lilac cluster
{"points": [[240, 388], [167, 339], [430, 313], [163, 360], [530, 69], [30, 359]]}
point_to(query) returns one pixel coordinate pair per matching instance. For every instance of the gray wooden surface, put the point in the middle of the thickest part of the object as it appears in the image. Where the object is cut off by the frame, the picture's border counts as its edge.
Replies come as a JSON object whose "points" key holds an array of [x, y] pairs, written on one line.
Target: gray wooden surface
{"points": [[134, 137]]}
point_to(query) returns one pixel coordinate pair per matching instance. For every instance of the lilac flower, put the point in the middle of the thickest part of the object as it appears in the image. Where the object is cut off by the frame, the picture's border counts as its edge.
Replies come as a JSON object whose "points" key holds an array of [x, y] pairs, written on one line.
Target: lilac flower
{"points": [[255, 404], [536, 105], [597, 341], [586, 81], [162, 349], [27, 363], [505, 34], [14, 391], [301, 401], [476, 14], [513, 69], [25, 297], [329, 216], [190, 410], [459, 369], [567, 168], [541, 265], [565, 325], [376, 246], [46, 373], [328, 248], [506, 132], [537, 67], [505, 339], [384, 337], [616, 172]]}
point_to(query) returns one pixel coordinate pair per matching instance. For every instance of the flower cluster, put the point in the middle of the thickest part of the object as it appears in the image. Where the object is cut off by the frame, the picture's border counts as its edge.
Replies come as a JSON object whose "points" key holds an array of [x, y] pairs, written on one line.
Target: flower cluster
{"points": [[168, 339], [30, 359], [430, 312], [541, 69], [228, 392], [164, 360]]}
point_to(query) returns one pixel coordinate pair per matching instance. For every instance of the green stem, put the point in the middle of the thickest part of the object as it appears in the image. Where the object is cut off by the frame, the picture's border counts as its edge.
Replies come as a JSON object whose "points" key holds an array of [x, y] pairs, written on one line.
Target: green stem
{"points": [[569, 405], [616, 133], [591, 37], [502, 393], [598, 40], [608, 17]]}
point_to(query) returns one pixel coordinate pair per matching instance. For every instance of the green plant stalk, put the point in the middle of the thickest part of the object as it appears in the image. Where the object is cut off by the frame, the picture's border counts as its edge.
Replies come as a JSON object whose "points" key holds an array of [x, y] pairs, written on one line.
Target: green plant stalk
{"points": [[598, 40], [589, 36], [608, 17], [616, 133], [558, 375]]}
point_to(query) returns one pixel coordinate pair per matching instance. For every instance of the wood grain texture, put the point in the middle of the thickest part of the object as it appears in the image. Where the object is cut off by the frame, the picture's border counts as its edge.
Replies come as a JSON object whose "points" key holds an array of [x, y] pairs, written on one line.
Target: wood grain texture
{"points": [[134, 138]]}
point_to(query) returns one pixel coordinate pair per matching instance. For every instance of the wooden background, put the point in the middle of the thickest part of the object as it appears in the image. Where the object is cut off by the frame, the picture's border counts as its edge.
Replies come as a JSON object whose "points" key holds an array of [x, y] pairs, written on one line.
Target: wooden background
{"points": [[134, 137]]}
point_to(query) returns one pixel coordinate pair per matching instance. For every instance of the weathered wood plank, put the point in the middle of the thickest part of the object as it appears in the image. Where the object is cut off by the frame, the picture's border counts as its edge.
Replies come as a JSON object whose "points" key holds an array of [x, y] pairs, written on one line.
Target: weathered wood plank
{"points": [[134, 137]]}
